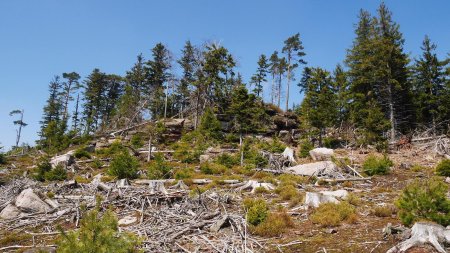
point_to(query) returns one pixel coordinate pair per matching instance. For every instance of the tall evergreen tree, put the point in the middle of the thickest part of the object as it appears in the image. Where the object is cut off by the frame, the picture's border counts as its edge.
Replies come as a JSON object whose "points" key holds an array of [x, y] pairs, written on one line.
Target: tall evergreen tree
{"points": [[293, 49], [429, 81], [136, 80], [391, 73], [188, 64], [281, 70], [274, 61], [260, 76], [95, 85], [50, 125], [318, 106], [340, 88], [69, 86], [158, 75]]}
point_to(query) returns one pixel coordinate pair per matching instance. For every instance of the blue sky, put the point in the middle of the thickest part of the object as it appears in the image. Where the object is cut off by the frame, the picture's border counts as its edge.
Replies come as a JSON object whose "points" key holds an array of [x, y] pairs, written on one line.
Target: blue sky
{"points": [[40, 39]]}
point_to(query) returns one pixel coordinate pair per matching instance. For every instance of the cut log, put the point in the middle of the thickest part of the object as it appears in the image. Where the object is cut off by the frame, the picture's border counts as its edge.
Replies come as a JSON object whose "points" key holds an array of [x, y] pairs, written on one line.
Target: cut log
{"points": [[252, 184], [424, 233]]}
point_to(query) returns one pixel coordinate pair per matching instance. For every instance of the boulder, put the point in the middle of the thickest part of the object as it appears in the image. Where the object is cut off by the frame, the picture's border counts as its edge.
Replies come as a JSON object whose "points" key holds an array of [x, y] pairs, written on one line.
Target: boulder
{"points": [[314, 199], [321, 154], [342, 194], [65, 160], [313, 169], [9, 212], [29, 202]]}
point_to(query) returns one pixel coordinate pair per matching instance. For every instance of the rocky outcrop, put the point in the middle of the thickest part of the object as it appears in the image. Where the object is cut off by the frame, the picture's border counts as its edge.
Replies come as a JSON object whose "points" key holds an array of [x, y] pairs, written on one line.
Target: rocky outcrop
{"points": [[64, 160]]}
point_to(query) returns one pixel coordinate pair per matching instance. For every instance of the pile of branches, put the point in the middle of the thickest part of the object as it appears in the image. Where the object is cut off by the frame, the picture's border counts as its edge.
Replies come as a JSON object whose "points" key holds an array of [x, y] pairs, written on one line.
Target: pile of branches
{"points": [[168, 220]]}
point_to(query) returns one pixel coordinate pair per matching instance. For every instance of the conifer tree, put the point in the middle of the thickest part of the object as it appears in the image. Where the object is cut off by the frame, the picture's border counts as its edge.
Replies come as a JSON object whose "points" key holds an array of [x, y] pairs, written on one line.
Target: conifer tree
{"points": [[136, 84], [429, 80], [50, 131], [95, 84], [188, 64], [318, 106], [260, 76], [281, 70], [273, 69], [158, 75], [293, 49], [69, 86], [19, 123], [340, 88], [392, 88]]}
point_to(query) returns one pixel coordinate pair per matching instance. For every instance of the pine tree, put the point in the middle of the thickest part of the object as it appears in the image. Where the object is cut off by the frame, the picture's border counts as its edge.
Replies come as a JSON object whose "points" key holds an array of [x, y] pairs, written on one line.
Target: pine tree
{"points": [[260, 76], [392, 88], [429, 80], [69, 86], [19, 123], [136, 80], [281, 70], [158, 75], [188, 63], [318, 106], [340, 88], [273, 69], [51, 132], [293, 49], [95, 84]]}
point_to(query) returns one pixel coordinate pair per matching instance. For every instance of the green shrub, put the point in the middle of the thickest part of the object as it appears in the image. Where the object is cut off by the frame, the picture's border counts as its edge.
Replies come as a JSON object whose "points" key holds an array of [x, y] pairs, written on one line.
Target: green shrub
{"points": [[443, 168], [96, 163], [227, 160], [184, 173], [287, 192], [43, 167], [210, 126], [56, 174], [212, 168], [374, 165], [256, 209], [2, 158], [123, 165], [331, 214], [159, 168], [305, 147], [137, 141], [81, 152], [331, 142], [275, 146], [425, 200], [97, 234], [115, 148]]}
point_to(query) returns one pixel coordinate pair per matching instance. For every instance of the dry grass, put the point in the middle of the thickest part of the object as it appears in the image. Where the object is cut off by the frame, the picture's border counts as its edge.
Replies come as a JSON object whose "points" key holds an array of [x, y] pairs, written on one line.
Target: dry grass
{"points": [[274, 225], [331, 214]]}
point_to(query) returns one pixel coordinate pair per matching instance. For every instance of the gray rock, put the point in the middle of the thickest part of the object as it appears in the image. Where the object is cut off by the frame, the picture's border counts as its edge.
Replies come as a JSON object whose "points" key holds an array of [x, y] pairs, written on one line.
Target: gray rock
{"points": [[29, 202], [321, 154], [9, 212]]}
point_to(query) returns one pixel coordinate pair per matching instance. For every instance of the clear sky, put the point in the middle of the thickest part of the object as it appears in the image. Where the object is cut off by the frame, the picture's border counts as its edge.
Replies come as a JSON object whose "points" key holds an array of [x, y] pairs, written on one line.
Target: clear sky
{"points": [[40, 39]]}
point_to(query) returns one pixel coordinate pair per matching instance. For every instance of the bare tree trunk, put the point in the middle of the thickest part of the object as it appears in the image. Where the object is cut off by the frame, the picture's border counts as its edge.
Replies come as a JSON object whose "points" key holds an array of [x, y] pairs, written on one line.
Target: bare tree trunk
{"points": [[242, 149], [20, 129], [149, 156], [391, 113], [288, 84], [272, 95]]}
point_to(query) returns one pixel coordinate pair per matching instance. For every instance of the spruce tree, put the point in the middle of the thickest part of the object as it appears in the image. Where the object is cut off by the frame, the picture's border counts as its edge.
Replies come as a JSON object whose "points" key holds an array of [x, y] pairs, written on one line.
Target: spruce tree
{"points": [[293, 49], [188, 63], [318, 106], [260, 76], [340, 88], [19, 123], [273, 69], [158, 75], [95, 84], [429, 81]]}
